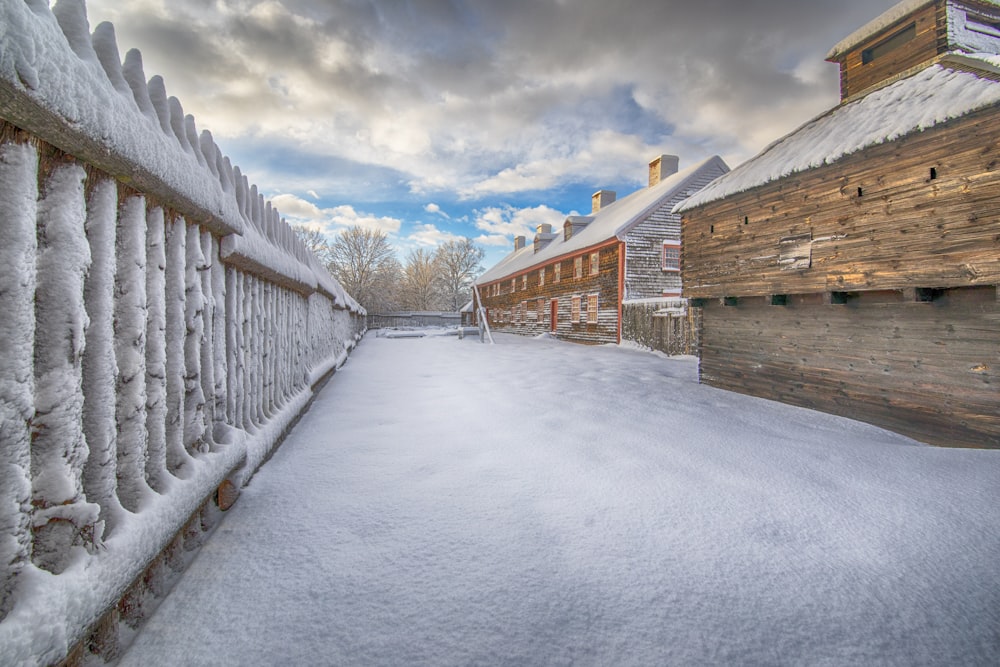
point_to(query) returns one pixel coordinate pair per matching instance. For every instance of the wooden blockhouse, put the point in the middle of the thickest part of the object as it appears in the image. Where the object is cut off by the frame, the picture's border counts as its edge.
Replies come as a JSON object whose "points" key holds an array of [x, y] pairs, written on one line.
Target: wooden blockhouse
{"points": [[853, 265], [572, 282]]}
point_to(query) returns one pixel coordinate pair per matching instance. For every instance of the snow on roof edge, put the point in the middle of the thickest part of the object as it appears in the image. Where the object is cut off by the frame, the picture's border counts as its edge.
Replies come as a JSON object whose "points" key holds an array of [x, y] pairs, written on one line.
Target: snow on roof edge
{"points": [[876, 25], [929, 97]]}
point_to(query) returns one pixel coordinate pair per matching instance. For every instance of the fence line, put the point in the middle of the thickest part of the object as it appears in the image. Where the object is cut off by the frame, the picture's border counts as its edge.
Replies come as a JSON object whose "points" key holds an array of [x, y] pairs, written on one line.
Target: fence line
{"points": [[162, 327]]}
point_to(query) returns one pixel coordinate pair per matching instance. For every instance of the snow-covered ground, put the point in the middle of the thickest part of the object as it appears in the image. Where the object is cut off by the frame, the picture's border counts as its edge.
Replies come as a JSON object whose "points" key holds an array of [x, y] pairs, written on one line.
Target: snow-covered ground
{"points": [[534, 502]]}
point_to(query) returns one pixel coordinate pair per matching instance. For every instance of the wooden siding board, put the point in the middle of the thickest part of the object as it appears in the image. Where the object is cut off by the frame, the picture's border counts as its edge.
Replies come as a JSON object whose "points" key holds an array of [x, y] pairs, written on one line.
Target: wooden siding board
{"points": [[904, 230], [924, 369], [644, 275]]}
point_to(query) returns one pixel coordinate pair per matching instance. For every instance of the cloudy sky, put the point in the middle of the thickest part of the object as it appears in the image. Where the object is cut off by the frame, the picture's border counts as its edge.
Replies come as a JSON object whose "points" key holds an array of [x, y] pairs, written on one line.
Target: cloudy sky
{"points": [[431, 119]]}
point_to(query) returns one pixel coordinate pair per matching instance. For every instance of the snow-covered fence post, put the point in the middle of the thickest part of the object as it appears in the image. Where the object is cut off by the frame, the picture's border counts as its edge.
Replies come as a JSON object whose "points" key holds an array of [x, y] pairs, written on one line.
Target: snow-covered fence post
{"points": [[130, 350], [100, 368], [177, 456], [194, 325], [18, 195], [208, 337], [156, 351], [62, 518], [219, 334]]}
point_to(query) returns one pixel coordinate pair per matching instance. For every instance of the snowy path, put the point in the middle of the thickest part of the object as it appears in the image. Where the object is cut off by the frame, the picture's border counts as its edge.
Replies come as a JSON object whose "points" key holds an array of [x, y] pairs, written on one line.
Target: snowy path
{"points": [[540, 503]]}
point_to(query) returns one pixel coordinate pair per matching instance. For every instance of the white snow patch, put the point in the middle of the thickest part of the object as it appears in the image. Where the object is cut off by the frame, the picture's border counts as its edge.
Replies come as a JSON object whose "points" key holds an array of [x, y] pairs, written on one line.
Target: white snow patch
{"points": [[423, 512]]}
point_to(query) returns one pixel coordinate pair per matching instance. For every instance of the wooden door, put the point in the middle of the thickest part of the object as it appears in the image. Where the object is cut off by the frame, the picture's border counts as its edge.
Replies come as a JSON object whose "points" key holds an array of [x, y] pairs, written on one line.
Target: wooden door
{"points": [[554, 317]]}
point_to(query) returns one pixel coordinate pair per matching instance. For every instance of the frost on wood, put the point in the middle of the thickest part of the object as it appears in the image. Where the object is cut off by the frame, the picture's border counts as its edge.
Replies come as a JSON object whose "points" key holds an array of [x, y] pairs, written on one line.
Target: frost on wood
{"points": [[177, 456], [100, 369], [62, 518], [207, 342], [18, 168], [194, 305], [156, 352], [130, 351]]}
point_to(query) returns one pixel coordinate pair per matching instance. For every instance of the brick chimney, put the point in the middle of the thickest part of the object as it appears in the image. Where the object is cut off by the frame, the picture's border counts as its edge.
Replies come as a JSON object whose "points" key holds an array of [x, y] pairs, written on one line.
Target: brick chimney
{"points": [[601, 199], [663, 166], [518, 242]]}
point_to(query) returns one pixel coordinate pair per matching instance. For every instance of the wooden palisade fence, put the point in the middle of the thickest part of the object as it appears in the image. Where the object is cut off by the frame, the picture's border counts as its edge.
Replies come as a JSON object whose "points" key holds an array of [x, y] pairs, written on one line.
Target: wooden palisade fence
{"points": [[161, 329], [666, 325]]}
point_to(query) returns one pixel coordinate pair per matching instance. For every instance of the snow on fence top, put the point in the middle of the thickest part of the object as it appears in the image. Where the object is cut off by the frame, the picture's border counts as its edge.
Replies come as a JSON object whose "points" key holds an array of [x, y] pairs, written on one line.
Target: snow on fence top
{"points": [[933, 96], [59, 81]]}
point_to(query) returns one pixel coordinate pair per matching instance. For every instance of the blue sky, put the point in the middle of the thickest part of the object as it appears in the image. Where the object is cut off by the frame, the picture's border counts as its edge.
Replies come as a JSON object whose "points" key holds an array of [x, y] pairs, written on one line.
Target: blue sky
{"points": [[436, 119]]}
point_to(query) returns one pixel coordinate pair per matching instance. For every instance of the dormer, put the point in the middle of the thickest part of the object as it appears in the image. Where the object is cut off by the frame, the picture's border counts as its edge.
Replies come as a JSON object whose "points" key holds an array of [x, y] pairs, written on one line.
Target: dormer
{"points": [[543, 236], [911, 36], [574, 225]]}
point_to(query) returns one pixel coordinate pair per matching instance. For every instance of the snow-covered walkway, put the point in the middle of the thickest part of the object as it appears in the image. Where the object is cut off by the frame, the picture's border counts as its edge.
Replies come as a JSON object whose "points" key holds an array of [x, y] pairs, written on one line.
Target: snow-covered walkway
{"points": [[541, 503]]}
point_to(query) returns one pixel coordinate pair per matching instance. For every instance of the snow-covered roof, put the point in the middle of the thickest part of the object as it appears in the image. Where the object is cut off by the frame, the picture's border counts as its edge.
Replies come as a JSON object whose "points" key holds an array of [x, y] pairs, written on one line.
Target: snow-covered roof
{"points": [[614, 220], [877, 25], [932, 96]]}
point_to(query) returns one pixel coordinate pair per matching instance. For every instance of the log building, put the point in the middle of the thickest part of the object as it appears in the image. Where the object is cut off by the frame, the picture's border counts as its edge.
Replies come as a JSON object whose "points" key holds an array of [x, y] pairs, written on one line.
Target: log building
{"points": [[572, 283], [852, 266]]}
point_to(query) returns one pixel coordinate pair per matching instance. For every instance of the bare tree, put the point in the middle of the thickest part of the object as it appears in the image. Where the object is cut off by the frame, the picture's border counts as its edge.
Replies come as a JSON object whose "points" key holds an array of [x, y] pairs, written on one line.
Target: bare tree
{"points": [[420, 289], [364, 262], [459, 262], [315, 241]]}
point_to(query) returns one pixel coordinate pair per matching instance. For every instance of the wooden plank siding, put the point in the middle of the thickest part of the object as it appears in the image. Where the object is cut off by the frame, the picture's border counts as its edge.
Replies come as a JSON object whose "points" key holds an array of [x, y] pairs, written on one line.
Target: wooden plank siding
{"points": [[877, 220], [605, 284], [928, 370], [929, 37], [644, 275]]}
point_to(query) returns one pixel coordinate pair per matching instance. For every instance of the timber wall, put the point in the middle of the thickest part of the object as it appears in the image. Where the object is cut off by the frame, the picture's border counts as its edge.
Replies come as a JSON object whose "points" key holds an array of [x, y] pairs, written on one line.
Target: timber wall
{"points": [[887, 262], [162, 328], [927, 370]]}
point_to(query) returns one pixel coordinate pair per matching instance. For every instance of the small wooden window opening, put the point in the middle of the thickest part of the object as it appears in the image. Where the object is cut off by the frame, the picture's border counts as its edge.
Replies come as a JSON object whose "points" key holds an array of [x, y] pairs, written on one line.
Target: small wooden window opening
{"points": [[890, 44]]}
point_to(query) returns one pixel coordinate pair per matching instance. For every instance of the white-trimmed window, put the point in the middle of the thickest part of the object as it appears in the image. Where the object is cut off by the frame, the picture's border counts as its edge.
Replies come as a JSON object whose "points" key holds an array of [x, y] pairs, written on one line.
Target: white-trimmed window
{"points": [[524, 281], [540, 306], [574, 312], [595, 263], [541, 277], [591, 309], [671, 258], [556, 272], [578, 267], [513, 284], [524, 312]]}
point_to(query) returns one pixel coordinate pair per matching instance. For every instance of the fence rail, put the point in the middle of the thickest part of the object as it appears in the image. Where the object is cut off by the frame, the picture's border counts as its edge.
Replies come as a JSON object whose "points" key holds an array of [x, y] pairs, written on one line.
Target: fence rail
{"points": [[162, 327]]}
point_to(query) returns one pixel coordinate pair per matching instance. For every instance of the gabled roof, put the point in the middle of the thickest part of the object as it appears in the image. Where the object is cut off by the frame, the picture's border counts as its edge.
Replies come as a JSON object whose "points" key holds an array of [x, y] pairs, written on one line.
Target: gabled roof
{"points": [[613, 221], [957, 86]]}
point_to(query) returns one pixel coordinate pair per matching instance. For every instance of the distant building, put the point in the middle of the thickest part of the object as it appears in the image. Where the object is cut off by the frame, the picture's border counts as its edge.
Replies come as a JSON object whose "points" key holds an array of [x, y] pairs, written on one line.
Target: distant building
{"points": [[572, 282], [852, 266]]}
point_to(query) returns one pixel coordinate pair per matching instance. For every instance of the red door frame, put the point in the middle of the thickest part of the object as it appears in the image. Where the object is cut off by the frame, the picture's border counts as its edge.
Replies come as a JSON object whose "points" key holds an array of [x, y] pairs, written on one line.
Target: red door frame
{"points": [[554, 314]]}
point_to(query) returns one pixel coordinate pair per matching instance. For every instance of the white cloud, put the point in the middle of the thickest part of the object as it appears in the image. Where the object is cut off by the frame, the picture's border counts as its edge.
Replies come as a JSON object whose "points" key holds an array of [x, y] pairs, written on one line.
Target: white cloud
{"points": [[312, 193], [505, 221], [430, 235], [434, 208], [493, 240], [299, 211]]}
